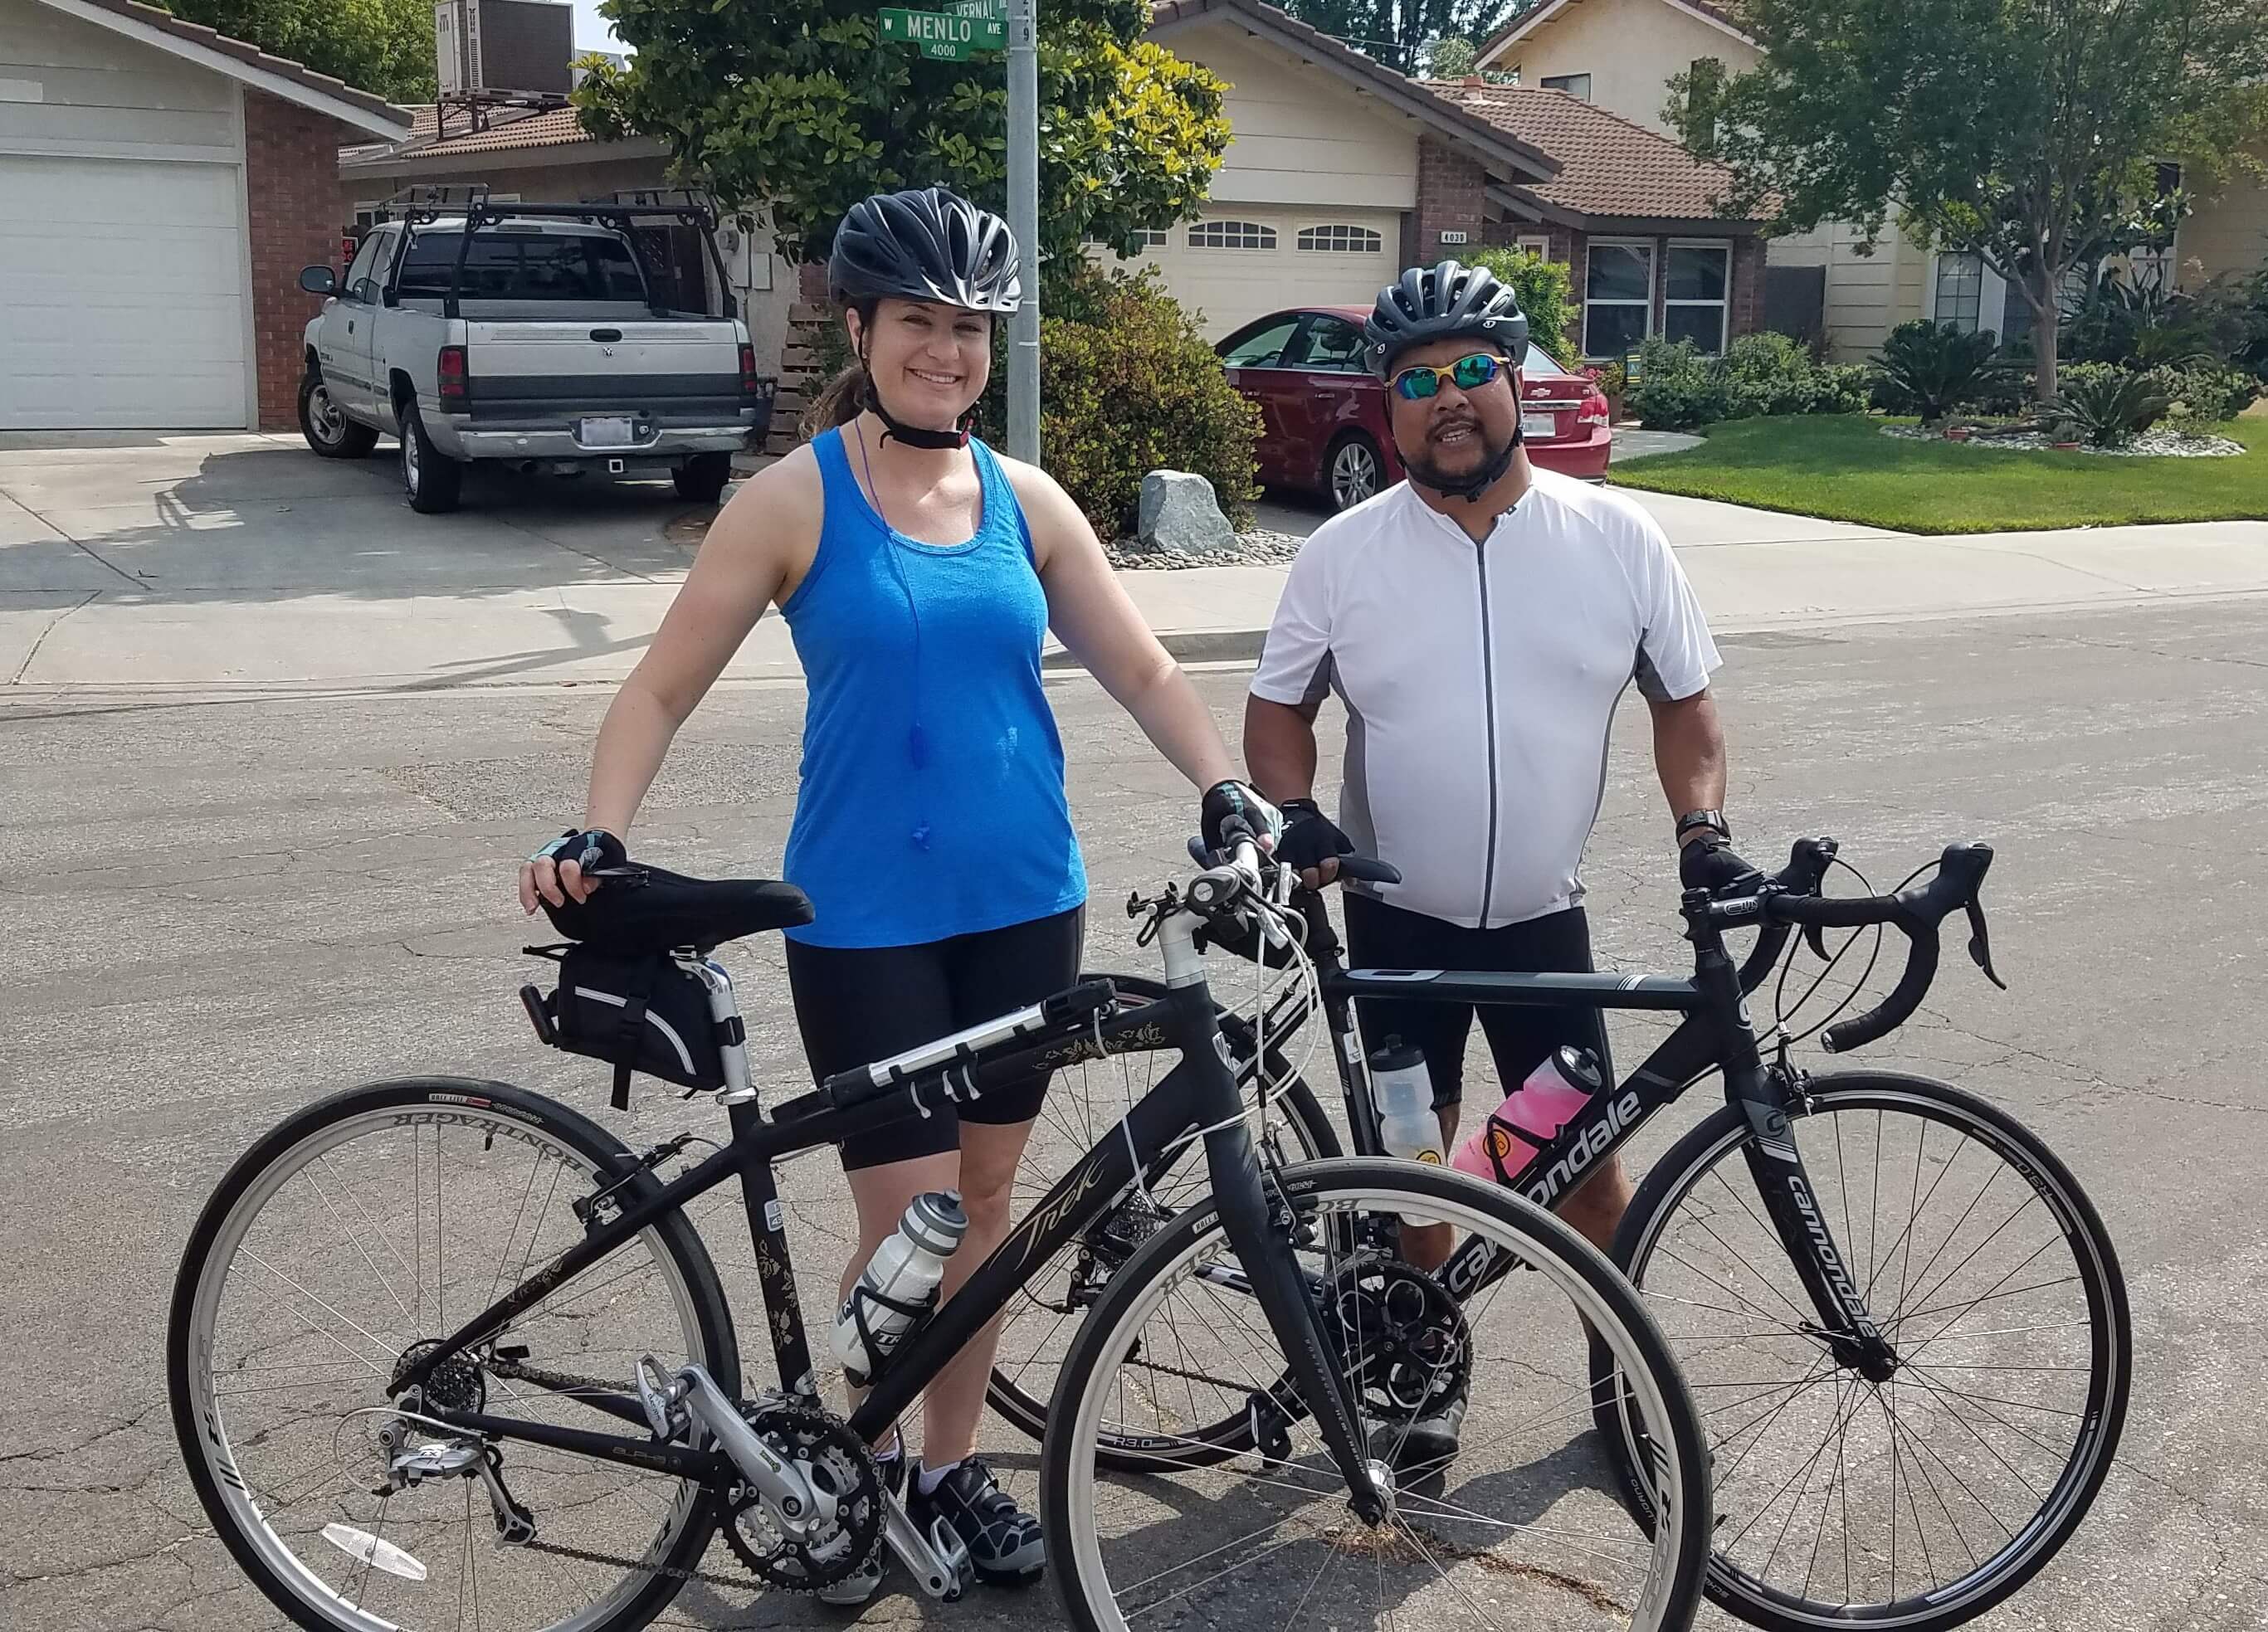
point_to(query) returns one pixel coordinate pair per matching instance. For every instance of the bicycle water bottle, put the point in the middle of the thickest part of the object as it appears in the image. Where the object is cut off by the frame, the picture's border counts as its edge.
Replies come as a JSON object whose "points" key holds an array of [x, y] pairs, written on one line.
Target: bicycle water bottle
{"points": [[1531, 1116], [1402, 1092], [896, 1292]]}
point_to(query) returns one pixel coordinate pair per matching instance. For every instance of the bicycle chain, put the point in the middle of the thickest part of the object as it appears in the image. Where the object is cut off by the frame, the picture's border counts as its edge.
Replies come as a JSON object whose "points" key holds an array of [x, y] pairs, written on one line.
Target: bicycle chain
{"points": [[521, 1371]]}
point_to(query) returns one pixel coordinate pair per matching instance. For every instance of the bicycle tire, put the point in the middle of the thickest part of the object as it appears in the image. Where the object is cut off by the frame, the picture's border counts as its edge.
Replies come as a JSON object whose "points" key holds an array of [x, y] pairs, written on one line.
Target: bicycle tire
{"points": [[1316, 1139], [200, 1425], [2110, 1342], [1375, 1185]]}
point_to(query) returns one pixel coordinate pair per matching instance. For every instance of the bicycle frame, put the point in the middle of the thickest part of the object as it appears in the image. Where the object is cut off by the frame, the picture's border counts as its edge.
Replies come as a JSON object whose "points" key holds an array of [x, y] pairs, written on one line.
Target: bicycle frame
{"points": [[1716, 1032], [1201, 1093]]}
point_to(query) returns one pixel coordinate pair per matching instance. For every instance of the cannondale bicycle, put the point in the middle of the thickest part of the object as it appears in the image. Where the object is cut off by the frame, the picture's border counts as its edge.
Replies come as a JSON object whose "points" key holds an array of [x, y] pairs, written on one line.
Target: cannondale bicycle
{"points": [[445, 1353], [1903, 1319]]}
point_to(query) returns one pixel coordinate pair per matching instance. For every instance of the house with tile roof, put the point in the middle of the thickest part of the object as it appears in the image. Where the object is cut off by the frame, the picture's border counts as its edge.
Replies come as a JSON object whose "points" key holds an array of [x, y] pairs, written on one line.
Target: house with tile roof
{"points": [[1620, 55], [161, 186], [1341, 172]]}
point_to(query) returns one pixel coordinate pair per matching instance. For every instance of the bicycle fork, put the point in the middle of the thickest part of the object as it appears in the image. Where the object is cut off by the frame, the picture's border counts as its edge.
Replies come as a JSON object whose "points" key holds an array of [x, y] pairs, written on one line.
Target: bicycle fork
{"points": [[1846, 1324]]}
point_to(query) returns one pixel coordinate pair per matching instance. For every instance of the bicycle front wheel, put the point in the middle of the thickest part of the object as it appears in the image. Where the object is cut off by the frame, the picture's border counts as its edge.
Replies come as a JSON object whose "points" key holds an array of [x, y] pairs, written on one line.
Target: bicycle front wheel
{"points": [[1918, 1502], [377, 1221], [1085, 1101], [1503, 1512]]}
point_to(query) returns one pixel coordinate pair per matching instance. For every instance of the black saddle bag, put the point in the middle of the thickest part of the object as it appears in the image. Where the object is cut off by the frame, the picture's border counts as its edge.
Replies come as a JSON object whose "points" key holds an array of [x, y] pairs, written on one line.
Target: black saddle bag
{"points": [[638, 1011]]}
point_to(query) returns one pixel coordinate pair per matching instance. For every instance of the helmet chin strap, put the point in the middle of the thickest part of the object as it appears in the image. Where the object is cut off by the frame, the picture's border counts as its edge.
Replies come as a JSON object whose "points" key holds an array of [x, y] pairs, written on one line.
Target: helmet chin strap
{"points": [[1482, 479], [911, 435]]}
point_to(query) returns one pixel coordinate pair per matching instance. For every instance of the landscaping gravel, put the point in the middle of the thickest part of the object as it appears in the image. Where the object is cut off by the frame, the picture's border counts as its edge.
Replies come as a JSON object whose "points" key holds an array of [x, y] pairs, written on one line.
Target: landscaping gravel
{"points": [[1256, 548], [2157, 444]]}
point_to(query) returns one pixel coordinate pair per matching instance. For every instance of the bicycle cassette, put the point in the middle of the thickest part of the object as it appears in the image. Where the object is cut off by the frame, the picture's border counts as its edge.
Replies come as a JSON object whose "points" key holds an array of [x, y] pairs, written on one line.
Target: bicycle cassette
{"points": [[839, 1465]]}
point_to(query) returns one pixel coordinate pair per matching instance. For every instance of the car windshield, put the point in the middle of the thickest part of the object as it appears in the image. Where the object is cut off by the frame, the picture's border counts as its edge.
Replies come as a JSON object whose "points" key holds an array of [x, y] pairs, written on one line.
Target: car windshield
{"points": [[511, 263]]}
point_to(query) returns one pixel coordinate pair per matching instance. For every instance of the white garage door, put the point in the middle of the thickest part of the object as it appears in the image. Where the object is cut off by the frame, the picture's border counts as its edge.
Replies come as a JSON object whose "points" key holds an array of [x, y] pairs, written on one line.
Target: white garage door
{"points": [[1239, 261], [121, 294]]}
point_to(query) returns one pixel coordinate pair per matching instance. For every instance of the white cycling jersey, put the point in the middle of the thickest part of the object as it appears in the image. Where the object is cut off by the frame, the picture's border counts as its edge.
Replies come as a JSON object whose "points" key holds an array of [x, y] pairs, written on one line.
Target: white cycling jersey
{"points": [[1480, 682]]}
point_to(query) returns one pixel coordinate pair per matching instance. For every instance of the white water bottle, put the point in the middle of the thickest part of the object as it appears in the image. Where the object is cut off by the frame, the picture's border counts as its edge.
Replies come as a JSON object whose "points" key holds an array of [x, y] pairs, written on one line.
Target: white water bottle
{"points": [[896, 1292], [1402, 1092]]}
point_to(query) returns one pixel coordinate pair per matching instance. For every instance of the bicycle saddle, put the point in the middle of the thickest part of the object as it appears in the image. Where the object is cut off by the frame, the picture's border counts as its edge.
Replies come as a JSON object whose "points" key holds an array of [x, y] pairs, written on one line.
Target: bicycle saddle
{"points": [[640, 908]]}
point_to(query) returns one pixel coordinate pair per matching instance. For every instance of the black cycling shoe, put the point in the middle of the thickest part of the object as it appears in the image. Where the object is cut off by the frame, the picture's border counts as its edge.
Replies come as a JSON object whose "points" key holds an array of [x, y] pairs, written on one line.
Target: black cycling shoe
{"points": [[1420, 1451], [1004, 1543]]}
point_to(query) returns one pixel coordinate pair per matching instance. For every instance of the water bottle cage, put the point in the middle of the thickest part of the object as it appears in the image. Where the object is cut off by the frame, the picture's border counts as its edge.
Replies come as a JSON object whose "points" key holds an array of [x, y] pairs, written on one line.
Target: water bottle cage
{"points": [[1497, 1140], [861, 1296]]}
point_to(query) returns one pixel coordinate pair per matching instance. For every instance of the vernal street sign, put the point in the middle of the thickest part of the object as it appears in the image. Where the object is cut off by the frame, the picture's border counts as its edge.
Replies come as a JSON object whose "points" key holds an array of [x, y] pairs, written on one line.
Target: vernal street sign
{"points": [[973, 25]]}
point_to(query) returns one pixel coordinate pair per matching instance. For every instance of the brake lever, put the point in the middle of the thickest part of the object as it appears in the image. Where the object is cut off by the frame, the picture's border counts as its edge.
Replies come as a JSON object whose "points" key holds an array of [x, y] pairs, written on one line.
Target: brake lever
{"points": [[1980, 945], [1815, 938]]}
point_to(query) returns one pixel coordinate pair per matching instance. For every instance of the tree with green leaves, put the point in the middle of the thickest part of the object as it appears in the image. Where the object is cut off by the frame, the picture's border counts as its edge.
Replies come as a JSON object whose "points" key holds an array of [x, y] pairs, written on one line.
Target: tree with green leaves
{"points": [[1403, 33], [2029, 132], [385, 46], [807, 111]]}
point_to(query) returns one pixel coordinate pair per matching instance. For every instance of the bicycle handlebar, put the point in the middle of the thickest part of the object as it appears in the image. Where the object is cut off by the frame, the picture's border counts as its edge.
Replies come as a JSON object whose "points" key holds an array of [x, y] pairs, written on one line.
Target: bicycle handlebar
{"points": [[1915, 913]]}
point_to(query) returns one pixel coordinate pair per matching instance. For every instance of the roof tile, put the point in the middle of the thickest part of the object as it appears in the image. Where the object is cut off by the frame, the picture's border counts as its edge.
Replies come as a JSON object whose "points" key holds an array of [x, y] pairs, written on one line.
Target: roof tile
{"points": [[1610, 165]]}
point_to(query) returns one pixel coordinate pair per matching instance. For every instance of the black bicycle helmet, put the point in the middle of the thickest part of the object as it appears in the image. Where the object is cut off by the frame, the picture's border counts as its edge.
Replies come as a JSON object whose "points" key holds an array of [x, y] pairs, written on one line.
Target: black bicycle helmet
{"points": [[925, 243], [1451, 301]]}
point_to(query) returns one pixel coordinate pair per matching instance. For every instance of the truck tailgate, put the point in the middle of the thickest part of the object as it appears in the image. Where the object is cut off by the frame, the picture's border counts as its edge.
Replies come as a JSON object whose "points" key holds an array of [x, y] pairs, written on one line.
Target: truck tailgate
{"points": [[669, 370]]}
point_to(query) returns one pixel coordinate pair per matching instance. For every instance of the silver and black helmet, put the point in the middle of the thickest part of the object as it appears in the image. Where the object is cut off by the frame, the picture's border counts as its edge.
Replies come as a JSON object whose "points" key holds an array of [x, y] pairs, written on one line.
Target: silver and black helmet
{"points": [[925, 243], [1451, 301]]}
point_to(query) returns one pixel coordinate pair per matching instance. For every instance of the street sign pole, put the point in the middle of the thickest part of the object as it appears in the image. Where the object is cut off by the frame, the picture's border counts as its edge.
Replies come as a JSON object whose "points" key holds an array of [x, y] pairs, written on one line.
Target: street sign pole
{"points": [[1024, 220]]}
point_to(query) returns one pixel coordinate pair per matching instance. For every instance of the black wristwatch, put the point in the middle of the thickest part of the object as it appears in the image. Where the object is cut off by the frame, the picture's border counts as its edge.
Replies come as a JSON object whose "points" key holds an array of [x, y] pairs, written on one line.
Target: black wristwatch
{"points": [[1714, 820]]}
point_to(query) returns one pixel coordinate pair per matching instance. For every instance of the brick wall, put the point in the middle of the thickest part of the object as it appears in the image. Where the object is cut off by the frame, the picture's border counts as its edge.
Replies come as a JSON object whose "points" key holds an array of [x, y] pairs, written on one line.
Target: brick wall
{"points": [[290, 175], [1452, 196]]}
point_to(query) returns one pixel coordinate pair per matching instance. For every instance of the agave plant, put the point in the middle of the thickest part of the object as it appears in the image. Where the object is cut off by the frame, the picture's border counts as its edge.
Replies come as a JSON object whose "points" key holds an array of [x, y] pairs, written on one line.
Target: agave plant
{"points": [[1932, 368], [2109, 404]]}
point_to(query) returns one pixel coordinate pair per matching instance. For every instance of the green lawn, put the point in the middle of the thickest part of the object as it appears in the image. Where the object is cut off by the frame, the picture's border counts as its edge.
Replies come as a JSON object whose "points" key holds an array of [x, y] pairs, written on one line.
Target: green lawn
{"points": [[1844, 468]]}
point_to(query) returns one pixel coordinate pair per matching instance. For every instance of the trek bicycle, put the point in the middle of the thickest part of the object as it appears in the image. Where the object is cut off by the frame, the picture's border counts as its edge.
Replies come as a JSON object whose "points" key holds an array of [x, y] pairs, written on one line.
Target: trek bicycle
{"points": [[518, 1401], [1905, 1321]]}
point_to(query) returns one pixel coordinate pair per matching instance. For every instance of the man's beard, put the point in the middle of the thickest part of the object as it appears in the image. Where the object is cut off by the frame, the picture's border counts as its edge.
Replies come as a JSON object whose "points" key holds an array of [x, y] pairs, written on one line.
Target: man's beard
{"points": [[1427, 473]]}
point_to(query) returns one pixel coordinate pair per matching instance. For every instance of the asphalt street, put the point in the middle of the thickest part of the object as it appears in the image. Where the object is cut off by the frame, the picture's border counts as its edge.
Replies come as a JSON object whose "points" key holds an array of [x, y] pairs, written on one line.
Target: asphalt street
{"points": [[212, 912]]}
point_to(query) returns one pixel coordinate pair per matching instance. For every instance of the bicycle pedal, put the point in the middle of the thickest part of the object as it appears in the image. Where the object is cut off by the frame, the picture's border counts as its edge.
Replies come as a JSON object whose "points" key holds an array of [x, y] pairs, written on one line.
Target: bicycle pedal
{"points": [[661, 1397]]}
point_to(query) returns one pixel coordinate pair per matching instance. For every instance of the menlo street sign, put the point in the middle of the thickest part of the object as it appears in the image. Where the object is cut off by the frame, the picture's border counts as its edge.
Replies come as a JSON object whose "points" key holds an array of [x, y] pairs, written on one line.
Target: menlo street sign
{"points": [[970, 26]]}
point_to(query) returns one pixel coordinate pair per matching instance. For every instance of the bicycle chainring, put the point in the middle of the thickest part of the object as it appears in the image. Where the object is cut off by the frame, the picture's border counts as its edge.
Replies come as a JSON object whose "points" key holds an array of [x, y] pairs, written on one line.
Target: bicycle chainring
{"points": [[837, 1463], [1401, 1338]]}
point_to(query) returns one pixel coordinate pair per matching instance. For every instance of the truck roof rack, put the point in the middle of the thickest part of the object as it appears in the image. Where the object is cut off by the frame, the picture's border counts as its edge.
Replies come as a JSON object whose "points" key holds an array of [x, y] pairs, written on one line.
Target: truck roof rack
{"points": [[431, 202]]}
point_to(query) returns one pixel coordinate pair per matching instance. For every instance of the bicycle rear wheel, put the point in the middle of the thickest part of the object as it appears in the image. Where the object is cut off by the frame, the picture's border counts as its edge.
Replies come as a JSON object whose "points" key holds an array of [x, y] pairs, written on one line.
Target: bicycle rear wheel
{"points": [[1519, 1527], [1086, 1099], [1920, 1503], [378, 1220]]}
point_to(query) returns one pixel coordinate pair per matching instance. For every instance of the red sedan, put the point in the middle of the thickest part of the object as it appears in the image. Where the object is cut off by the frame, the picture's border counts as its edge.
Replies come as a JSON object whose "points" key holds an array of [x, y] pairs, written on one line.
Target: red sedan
{"points": [[1325, 412]]}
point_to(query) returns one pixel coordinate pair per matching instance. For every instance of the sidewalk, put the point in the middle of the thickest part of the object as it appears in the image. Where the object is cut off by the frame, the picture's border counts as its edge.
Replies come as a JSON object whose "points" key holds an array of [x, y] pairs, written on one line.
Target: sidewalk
{"points": [[225, 564]]}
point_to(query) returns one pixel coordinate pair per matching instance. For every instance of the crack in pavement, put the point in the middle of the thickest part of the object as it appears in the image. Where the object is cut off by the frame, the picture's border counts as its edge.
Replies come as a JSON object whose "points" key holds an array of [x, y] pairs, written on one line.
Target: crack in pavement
{"points": [[54, 623]]}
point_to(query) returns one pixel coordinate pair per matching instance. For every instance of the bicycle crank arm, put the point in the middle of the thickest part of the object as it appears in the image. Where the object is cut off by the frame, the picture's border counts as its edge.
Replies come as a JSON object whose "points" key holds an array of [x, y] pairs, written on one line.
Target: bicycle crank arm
{"points": [[784, 1490], [939, 1561]]}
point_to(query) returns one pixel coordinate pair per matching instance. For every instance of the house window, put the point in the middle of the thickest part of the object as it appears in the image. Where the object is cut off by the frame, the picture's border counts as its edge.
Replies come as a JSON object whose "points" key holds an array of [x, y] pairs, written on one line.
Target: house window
{"points": [[1232, 235], [1573, 85], [1959, 292], [1694, 278], [1350, 239], [1617, 297], [1537, 245]]}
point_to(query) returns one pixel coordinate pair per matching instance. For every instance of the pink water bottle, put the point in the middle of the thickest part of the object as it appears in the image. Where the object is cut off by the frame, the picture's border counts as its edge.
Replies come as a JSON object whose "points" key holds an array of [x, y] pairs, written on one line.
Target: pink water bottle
{"points": [[1531, 1115]]}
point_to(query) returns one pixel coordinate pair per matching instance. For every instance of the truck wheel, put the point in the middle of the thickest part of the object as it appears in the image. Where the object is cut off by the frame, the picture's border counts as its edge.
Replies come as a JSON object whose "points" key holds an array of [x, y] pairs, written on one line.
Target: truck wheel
{"points": [[325, 424], [432, 479], [700, 478]]}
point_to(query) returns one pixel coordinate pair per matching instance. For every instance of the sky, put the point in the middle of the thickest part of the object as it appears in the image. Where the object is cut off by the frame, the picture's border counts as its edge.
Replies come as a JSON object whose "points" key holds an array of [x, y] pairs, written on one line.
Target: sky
{"points": [[591, 31]]}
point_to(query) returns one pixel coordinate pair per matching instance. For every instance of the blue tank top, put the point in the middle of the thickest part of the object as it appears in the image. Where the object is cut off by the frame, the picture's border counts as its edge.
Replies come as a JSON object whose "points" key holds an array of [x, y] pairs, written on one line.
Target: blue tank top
{"points": [[931, 802]]}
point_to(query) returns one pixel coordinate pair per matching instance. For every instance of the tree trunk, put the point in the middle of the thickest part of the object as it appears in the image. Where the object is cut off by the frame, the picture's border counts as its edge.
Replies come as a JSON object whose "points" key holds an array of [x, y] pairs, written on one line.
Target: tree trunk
{"points": [[2046, 333]]}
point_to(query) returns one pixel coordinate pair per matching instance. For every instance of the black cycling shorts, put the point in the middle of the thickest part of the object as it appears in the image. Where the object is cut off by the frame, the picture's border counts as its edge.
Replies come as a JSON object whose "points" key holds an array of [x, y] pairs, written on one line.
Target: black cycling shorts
{"points": [[856, 1004], [1379, 937]]}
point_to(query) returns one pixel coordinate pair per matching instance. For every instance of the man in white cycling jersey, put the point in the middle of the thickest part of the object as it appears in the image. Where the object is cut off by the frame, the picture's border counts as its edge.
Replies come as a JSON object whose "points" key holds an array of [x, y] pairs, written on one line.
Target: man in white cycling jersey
{"points": [[1479, 622]]}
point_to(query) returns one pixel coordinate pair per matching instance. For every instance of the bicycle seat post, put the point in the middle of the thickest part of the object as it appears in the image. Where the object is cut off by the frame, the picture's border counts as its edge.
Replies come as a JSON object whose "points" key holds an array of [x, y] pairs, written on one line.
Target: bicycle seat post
{"points": [[731, 1034]]}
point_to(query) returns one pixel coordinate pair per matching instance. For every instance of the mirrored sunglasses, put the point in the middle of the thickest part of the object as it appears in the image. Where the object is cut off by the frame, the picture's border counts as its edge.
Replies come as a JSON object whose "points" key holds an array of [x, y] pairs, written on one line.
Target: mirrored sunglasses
{"points": [[1469, 373]]}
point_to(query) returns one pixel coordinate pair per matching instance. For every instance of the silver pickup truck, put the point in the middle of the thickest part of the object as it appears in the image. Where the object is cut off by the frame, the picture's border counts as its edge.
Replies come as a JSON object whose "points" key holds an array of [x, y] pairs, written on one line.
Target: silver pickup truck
{"points": [[531, 335]]}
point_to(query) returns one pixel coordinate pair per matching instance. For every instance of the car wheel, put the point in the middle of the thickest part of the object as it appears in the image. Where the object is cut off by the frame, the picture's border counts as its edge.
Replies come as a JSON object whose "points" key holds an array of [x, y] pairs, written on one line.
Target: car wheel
{"points": [[1354, 473], [433, 481], [702, 478], [328, 429]]}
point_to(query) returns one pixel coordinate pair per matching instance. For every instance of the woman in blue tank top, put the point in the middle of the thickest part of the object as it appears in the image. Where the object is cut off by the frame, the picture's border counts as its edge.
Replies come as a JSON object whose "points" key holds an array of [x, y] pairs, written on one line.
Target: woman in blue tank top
{"points": [[919, 573]]}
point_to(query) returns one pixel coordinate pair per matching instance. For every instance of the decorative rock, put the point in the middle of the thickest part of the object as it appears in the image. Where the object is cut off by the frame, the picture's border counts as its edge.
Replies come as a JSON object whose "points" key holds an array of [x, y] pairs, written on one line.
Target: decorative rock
{"points": [[1179, 515]]}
